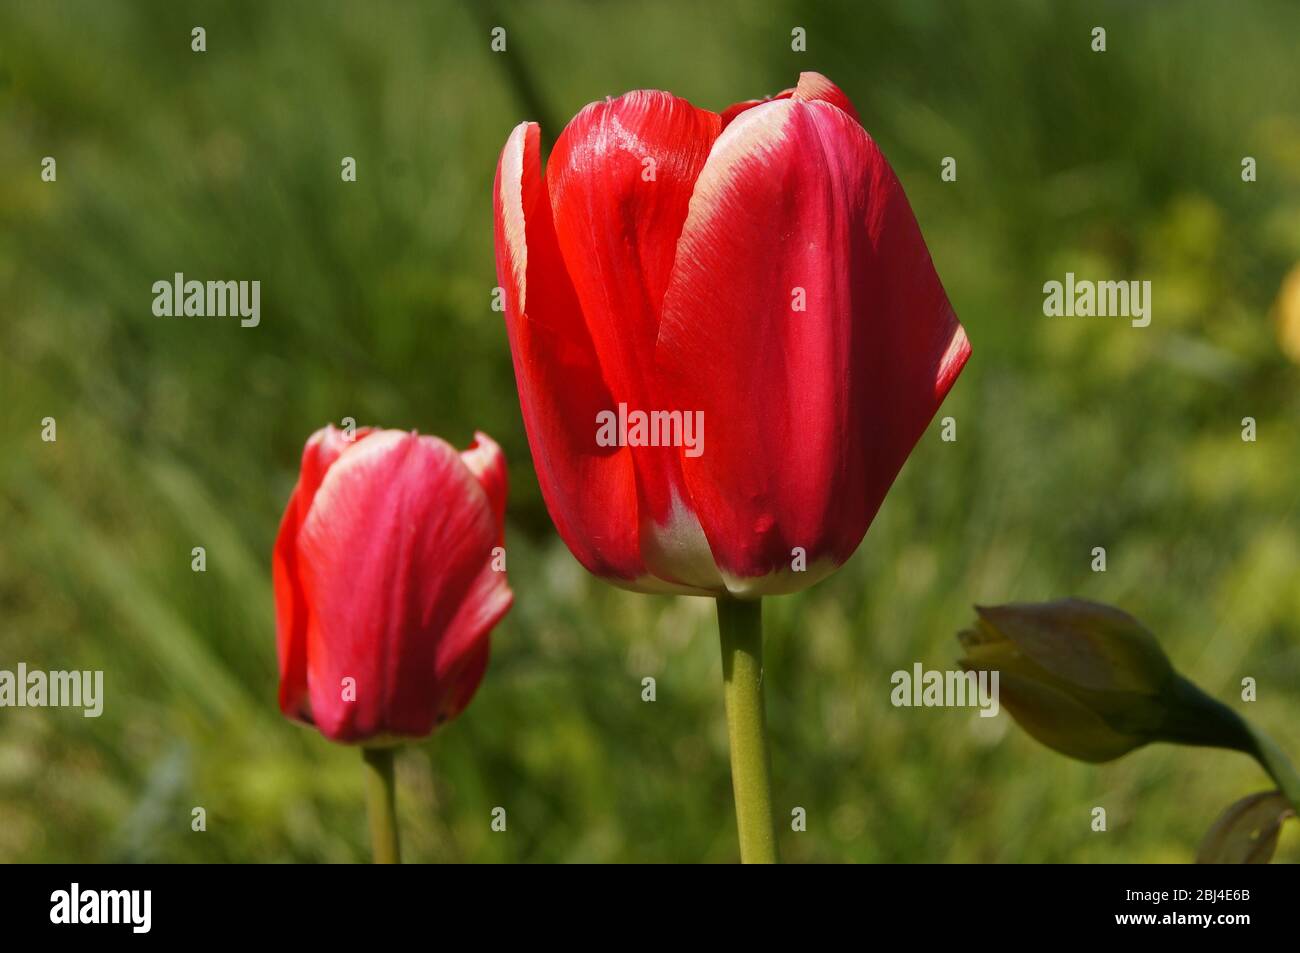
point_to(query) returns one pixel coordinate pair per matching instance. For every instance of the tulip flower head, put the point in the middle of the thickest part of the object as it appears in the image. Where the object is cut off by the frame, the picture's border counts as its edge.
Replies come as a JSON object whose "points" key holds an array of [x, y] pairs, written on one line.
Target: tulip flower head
{"points": [[758, 272], [385, 583]]}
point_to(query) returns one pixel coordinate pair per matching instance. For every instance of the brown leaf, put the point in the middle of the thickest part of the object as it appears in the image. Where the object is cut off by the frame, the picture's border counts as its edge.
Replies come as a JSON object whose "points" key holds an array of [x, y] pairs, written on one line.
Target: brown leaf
{"points": [[1246, 833]]}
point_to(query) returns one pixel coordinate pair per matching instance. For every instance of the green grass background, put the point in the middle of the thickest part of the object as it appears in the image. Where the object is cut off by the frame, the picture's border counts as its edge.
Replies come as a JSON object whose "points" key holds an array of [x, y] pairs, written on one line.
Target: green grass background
{"points": [[1072, 433]]}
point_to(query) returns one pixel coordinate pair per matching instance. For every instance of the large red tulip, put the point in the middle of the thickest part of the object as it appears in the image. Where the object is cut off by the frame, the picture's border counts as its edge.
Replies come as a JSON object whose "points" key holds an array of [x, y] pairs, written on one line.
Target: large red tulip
{"points": [[761, 267], [385, 582]]}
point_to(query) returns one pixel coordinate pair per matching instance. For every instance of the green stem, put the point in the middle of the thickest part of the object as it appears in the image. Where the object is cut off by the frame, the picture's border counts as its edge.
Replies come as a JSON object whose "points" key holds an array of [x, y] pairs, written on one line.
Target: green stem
{"points": [[1278, 766], [740, 625], [381, 797], [1202, 720]]}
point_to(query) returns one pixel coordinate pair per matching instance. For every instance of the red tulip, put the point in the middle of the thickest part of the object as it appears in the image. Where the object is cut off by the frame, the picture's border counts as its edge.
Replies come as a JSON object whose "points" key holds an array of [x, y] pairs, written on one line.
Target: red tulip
{"points": [[384, 576], [660, 264]]}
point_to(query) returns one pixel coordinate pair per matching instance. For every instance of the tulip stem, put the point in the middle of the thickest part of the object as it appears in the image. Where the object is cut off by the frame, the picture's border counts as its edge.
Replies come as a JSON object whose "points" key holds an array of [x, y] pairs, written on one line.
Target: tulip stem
{"points": [[740, 624], [381, 797]]}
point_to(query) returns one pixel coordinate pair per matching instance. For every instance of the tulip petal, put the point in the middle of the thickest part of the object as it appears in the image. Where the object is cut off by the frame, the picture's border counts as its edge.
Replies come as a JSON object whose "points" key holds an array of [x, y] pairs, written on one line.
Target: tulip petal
{"points": [[488, 464], [796, 200], [812, 87], [735, 109], [395, 559], [620, 181], [589, 490], [291, 611]]}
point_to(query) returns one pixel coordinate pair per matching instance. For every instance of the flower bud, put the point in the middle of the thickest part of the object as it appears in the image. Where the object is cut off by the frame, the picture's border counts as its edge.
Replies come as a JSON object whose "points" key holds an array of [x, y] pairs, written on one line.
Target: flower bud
{"points": [[1089, 681]]}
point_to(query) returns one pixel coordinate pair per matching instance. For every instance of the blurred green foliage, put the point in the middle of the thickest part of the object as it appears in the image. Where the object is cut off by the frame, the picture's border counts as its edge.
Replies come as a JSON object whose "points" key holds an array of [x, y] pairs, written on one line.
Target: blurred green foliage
{"points": [[1072, 433]]}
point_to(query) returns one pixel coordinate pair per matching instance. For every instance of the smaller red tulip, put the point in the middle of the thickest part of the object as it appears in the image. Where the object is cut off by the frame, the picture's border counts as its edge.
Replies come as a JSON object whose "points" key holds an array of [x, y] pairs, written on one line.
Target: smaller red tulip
{"points": [[385, 584]]}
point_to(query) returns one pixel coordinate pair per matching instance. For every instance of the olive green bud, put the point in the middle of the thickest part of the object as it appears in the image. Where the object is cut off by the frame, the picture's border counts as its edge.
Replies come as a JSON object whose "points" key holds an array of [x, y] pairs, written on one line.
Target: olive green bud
{"points": [[1089, 681]]}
